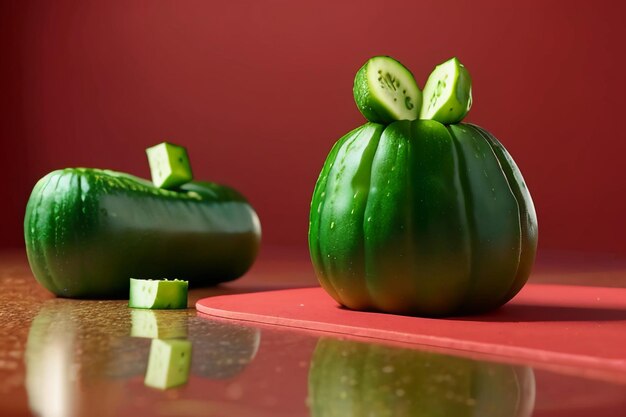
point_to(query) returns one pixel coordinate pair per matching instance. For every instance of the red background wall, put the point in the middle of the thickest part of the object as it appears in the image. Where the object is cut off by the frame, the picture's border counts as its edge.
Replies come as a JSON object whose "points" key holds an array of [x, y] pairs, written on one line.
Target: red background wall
{"points": [[258, 90]]}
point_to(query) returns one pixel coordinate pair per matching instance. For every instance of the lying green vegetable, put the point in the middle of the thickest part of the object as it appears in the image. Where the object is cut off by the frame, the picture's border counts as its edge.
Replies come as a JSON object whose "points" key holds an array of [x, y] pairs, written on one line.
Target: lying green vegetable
{"points": [[87, 231], [158, 294]]}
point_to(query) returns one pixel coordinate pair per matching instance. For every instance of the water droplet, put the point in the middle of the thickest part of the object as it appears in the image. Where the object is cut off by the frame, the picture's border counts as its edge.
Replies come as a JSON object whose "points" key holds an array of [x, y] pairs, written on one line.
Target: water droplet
{"points": [[388, 369], [332, 225]]}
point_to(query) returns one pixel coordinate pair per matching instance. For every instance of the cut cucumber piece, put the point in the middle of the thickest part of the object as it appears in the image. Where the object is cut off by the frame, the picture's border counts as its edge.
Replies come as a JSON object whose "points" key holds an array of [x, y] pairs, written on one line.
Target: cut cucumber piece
{"points": [[168, 363], [447, 93], [165, 294], [169, 165], [158, 324], [385, 91]]}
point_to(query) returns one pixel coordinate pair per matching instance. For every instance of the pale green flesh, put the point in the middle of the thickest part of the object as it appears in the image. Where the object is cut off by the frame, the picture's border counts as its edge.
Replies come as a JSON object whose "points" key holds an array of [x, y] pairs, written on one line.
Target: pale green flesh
{"points": [[168, 364], [447, 93], [158, 324], [158, 294], [386, 91], [169, 165]]}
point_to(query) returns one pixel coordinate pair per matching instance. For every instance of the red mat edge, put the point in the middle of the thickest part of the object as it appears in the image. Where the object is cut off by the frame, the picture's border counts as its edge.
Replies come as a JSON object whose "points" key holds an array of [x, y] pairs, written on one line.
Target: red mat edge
{"points": [[592, 366]]}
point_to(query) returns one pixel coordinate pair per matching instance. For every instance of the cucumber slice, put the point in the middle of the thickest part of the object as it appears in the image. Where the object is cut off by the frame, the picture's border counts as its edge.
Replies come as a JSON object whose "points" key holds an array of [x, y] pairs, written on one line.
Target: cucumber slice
{"points": [[158, 324], [385, 91], [165, 294], [447, 93], [169, 165], [168, 363]]}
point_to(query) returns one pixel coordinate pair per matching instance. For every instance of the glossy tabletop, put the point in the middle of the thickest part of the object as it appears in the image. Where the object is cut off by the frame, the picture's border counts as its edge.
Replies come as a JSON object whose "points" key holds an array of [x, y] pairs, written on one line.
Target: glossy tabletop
{"points": [[61, 357]]}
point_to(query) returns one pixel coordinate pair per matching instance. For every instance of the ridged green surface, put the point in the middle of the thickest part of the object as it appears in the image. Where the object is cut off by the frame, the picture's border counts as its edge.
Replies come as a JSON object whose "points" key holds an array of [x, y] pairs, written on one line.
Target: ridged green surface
{"points": [[88, 231], [351, 379], [420, 218]]}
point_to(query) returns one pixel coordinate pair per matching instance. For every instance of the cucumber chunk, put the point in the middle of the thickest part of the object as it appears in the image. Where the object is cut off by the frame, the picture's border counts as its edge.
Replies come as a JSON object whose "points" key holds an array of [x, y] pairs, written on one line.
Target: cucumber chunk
{"points": [[169, 165], [158, 324], [385, 91], [168, 363], [447, 93], [158, 294]]}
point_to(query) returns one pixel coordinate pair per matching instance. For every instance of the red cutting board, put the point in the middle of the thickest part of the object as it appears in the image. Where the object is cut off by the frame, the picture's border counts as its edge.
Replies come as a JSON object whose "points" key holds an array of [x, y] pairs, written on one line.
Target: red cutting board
{"points": [[568, 325]]}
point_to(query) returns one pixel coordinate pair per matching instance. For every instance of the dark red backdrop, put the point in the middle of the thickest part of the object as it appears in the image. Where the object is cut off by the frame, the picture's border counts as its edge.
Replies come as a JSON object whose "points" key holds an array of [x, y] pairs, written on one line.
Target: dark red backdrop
{"points": [[259, 90]]}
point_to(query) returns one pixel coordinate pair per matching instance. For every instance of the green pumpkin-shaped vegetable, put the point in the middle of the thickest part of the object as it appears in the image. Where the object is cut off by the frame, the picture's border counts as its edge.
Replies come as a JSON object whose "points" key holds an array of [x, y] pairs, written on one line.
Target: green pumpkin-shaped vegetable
{"points": [[421, 218], [350, 379], [417, 217]]}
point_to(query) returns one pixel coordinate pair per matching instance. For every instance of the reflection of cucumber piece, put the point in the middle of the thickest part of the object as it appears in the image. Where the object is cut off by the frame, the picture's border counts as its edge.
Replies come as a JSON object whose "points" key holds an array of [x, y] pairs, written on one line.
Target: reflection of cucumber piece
{"points": [[447, 93], [385, 90], [169, 165], [147, 293], [158, 324], [168, 364]]}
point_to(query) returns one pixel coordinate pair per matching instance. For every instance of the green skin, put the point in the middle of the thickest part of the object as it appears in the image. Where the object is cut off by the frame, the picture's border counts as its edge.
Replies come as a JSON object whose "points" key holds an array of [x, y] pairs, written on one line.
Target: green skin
{"points": [[423, 219], [88, 231], [350, 379]]}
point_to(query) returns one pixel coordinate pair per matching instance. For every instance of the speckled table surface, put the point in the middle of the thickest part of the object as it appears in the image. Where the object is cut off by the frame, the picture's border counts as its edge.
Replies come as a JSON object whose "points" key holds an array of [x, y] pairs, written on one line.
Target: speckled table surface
{"points": [[62, 357]]}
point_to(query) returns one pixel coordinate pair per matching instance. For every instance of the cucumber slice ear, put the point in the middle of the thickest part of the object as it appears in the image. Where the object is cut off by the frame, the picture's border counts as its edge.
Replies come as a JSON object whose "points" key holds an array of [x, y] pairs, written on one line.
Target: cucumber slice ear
{"points": [[385, 91], [169, 165], [447, 93]]}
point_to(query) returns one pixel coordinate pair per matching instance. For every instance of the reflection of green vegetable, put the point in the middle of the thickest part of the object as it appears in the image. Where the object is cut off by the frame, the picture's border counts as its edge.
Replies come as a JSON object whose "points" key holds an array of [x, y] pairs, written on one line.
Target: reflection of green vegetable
{"points": [[158, 294], [88, 231], [421, 218], [104, 345], [350, 379], [51, 365], [169, 363]]}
